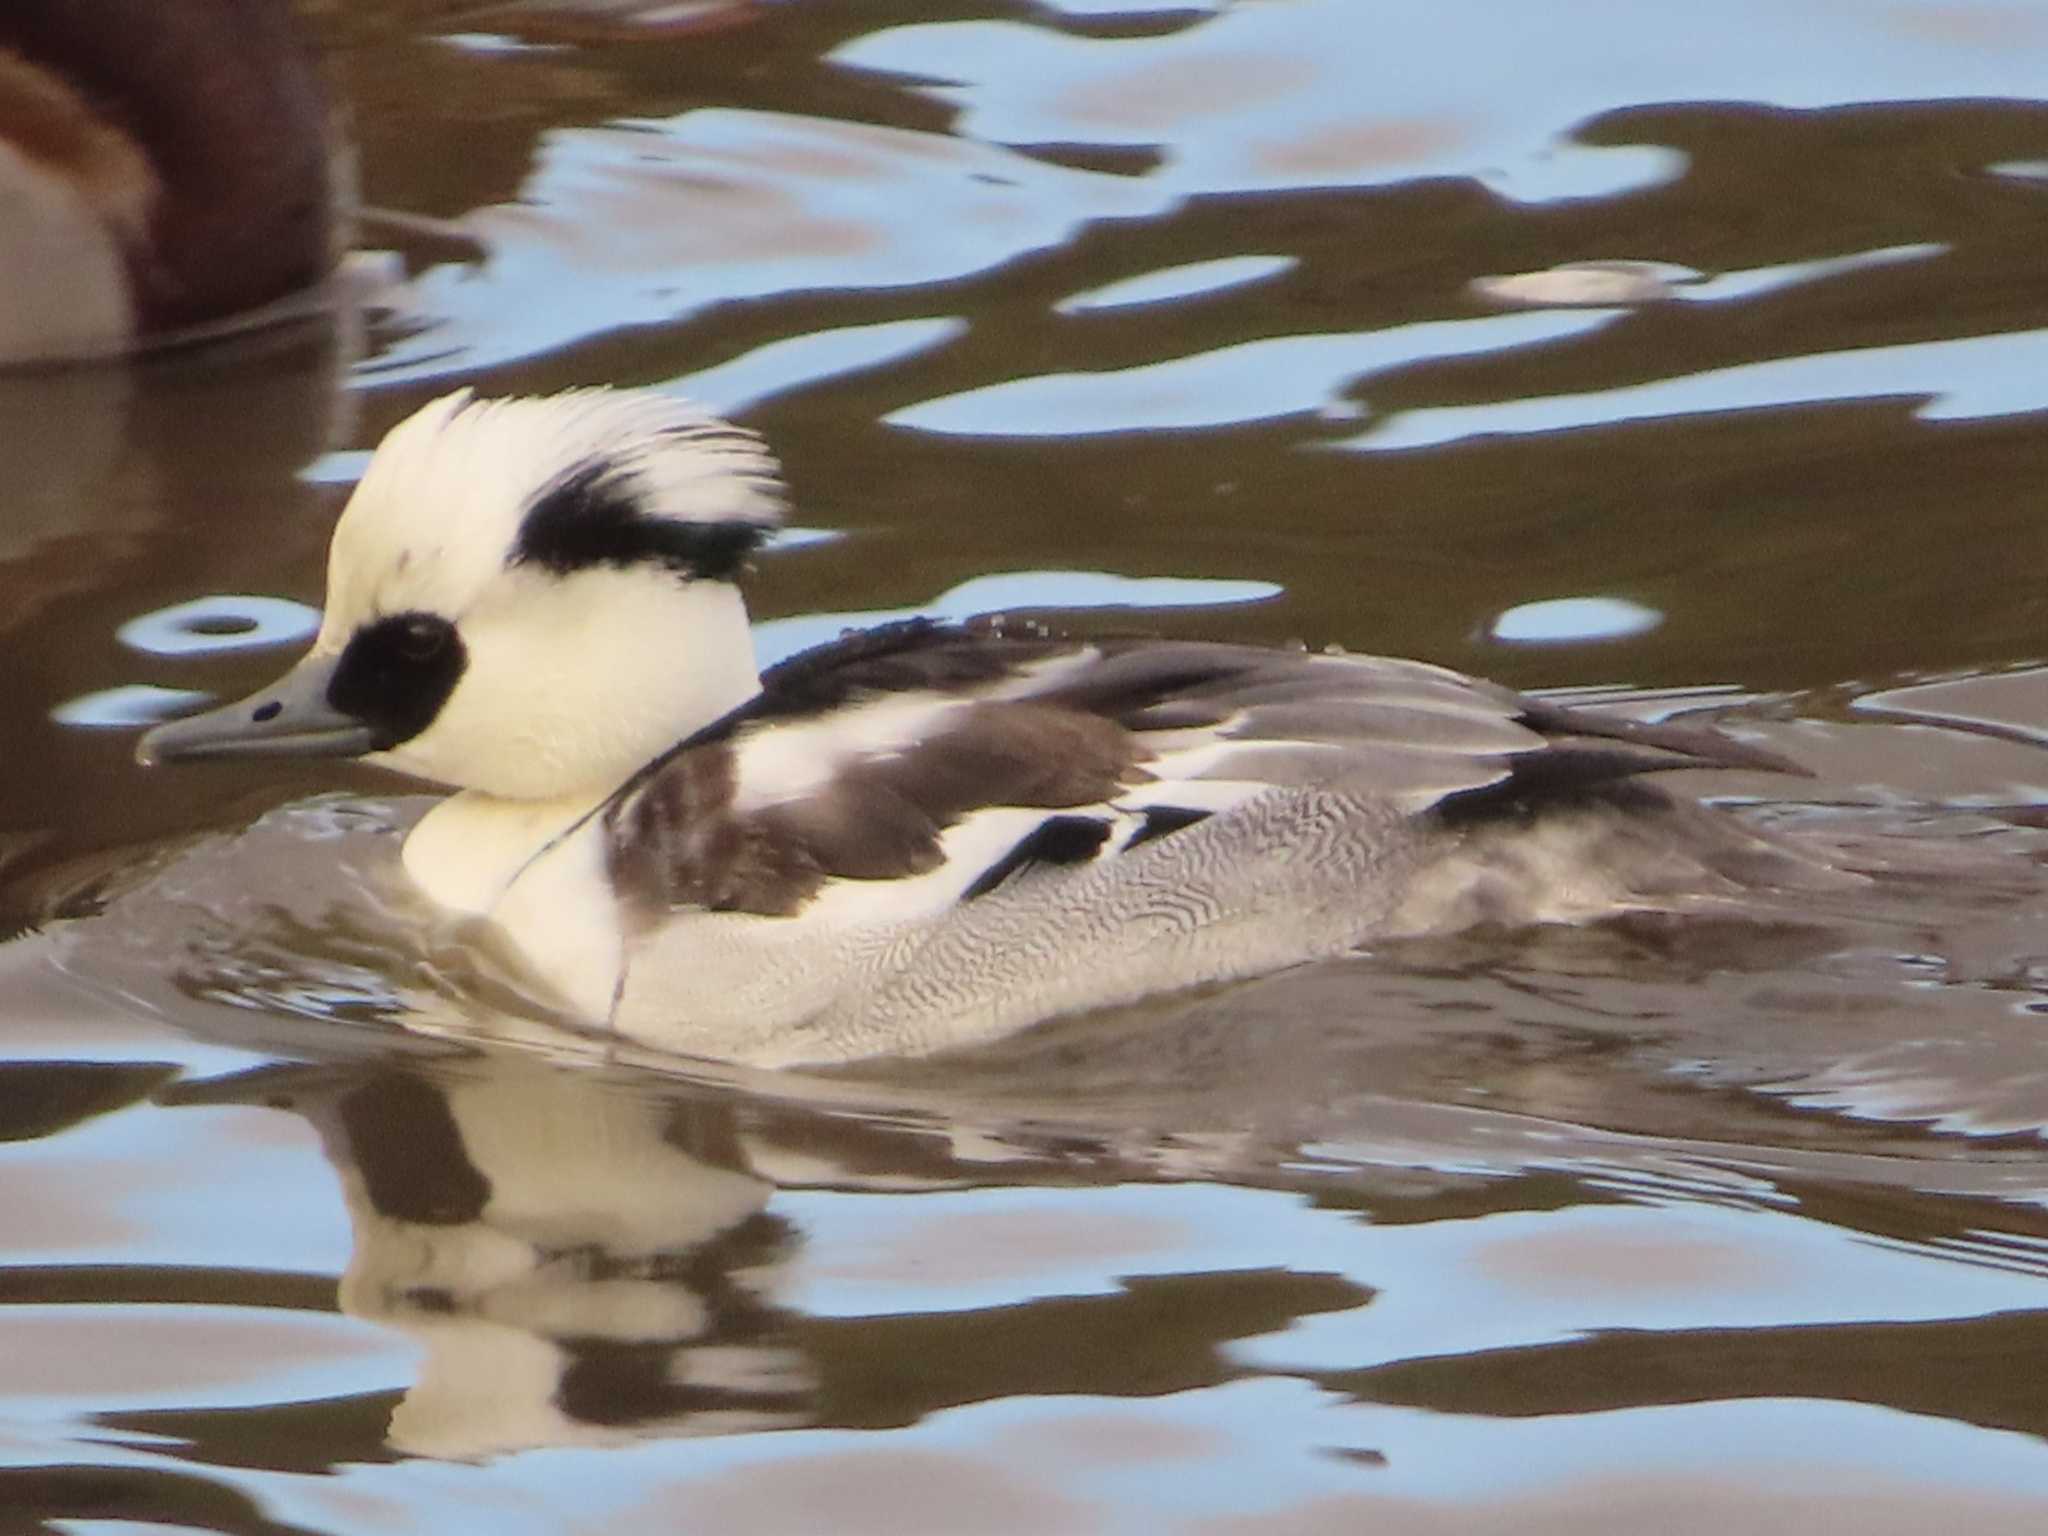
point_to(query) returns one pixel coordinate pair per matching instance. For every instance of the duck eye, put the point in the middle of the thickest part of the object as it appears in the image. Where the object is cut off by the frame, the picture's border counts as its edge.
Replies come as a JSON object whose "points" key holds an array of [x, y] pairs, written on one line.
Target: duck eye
{"points": [[422, 639], [396, 672]]}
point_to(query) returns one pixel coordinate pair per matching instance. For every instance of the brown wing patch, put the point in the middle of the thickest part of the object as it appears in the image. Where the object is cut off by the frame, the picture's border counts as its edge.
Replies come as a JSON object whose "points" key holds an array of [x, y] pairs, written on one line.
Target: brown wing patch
{"points": [[882, 816], [676, 839]]}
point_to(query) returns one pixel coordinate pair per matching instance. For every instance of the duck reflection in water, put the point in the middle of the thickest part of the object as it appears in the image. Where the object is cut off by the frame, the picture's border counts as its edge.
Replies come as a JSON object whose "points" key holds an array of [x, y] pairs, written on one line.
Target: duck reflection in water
{"points": [[579, 1266], [593, 1259]]}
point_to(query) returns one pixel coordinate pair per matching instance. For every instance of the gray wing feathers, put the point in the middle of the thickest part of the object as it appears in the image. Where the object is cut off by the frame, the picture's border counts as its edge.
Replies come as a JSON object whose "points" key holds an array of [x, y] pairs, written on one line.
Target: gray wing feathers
{"points": [[1183, 728]]}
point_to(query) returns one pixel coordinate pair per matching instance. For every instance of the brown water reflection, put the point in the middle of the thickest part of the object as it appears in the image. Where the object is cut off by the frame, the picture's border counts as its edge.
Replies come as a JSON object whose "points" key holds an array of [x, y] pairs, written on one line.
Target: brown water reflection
{"points": [[1730, 1225]]}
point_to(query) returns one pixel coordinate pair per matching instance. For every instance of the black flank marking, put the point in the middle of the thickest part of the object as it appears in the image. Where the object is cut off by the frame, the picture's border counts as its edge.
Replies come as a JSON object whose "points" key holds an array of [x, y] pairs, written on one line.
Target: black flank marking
{"points": [[1539, 782], [397, 673], [1589, 756], [1657, 746], [593, 516], [1162, 819], [1057, 840]]}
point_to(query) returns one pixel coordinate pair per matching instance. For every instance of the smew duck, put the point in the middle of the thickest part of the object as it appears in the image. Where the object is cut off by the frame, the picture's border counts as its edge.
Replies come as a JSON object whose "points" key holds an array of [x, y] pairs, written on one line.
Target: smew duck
{"points": [[923, 835]]}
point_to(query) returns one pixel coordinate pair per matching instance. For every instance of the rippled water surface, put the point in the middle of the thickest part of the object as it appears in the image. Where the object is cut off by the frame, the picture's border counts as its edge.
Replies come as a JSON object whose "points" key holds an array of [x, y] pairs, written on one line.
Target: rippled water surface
{"points": [[1696, 354]]}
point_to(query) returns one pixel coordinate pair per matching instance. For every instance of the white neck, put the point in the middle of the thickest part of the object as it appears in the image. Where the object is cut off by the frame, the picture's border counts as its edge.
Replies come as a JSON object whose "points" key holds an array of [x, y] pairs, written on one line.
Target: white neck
{"points": [[466, 852]]}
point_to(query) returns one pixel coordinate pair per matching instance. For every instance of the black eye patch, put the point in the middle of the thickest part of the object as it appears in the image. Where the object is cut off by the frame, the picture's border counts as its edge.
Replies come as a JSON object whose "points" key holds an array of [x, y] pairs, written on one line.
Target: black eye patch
{"points": [[591, 516], [396, 673]]}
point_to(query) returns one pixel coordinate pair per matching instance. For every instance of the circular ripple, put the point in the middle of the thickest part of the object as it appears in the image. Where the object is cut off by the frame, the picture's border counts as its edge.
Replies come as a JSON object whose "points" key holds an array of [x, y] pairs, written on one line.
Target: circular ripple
{"points": [[130, 705], [210, 625]]}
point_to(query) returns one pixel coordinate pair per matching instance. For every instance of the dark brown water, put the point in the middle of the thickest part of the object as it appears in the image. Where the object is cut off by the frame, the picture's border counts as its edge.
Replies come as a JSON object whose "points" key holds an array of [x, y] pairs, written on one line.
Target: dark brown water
{"points": [[1237, 320]]}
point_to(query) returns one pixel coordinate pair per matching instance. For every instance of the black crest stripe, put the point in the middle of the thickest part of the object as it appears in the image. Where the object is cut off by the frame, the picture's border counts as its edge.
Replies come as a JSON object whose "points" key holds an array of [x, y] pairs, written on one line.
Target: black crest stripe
{"points": [[593, 516]]}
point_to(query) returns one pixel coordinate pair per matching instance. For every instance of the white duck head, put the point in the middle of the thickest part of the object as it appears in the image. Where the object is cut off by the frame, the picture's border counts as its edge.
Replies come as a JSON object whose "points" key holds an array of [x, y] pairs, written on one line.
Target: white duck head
{"points": [[526, 597]]}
